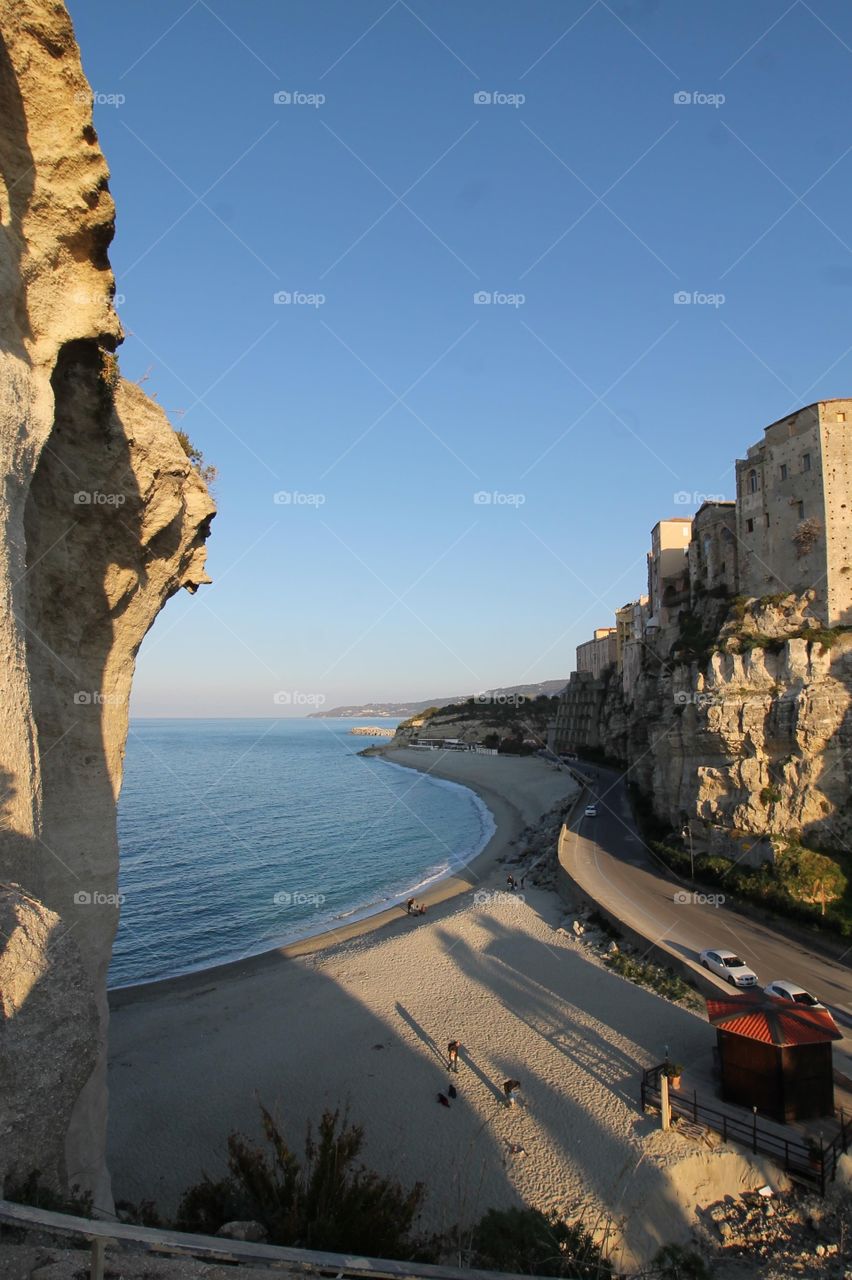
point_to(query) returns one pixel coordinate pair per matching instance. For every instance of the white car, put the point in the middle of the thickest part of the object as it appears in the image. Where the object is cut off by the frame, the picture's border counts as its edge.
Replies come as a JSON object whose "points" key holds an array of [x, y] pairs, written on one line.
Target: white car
{"points": [[784, 990], [728, 965], [591, 810]]}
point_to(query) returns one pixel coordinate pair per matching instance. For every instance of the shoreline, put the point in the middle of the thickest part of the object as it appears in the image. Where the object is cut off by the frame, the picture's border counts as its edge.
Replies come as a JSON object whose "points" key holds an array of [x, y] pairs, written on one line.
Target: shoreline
{"points": [[508, 824]]}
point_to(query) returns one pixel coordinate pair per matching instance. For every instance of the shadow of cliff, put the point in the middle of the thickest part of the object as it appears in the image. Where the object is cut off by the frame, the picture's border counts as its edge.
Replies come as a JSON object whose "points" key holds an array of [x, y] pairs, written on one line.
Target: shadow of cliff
{"points": [[190, 1059], [564, 1001], [18, 174]]}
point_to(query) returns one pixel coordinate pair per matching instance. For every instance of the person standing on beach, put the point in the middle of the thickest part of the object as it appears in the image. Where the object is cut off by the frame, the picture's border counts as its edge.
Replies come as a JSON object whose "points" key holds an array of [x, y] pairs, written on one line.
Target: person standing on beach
{"points": [[510, 1089], [453, 1056], [409, 904]]}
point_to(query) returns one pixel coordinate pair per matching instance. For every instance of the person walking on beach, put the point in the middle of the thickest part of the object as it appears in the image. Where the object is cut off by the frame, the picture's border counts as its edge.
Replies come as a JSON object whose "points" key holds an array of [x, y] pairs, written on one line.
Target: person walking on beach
{"points": [[453, 1056], [409, 905], [510, 1089]]}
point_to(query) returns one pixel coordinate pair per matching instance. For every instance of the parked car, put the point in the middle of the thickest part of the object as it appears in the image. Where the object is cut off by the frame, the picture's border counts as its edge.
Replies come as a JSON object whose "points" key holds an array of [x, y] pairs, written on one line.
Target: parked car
{"points": [[728, 965], [591, 810], [784, 990]]}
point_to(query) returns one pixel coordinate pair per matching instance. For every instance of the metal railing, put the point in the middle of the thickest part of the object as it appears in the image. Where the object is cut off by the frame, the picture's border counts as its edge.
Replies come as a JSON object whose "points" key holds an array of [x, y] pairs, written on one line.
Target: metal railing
{"points": [[164, 1242], [812, 1163]]}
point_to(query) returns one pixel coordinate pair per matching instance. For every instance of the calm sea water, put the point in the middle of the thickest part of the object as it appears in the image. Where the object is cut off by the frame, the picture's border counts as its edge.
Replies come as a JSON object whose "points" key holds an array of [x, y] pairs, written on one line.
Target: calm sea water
{"points": [[238, 835]]}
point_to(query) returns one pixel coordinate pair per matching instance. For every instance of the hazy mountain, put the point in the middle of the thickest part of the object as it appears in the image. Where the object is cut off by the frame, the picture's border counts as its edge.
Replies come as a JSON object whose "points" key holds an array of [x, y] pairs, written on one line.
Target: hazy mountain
{"points": [[402, 710]]}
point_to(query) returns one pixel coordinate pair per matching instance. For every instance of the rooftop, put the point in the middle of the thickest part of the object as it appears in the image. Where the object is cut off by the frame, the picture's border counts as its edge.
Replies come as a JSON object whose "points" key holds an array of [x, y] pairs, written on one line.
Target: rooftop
{"points": [[771, 1020]]}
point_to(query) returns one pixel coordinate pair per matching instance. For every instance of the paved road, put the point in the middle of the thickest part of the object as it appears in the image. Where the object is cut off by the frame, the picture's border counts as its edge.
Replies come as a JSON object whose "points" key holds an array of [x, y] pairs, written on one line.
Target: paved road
{"points": [[610, 862]]}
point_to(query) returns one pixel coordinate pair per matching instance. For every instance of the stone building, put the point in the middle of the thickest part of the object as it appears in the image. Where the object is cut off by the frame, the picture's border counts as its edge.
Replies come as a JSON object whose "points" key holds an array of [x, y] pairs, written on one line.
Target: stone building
{"points": [[578, 713], [794, 490], [668, 585], [631, 621], [712, 554], [595, 656]]}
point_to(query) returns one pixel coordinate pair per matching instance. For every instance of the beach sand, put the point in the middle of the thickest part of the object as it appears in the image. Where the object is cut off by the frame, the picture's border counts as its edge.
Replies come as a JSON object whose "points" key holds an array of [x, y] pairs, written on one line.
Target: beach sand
{"points": [[364, 1021]]}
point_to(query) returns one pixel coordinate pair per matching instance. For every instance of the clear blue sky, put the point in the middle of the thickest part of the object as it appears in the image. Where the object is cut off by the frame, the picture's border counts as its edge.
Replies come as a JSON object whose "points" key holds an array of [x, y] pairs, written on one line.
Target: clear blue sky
{"points": [[597, 399]]}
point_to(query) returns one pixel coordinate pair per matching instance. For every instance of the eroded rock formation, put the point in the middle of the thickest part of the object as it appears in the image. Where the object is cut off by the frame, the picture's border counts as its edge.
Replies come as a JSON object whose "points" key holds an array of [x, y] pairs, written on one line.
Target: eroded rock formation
{"points": [[102, 519], [749, 741]]}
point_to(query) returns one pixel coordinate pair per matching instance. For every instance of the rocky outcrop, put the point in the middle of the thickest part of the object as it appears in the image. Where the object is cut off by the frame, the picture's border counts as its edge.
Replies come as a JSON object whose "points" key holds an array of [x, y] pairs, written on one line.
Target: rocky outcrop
{"points": [[742, 744], [102, 519]]}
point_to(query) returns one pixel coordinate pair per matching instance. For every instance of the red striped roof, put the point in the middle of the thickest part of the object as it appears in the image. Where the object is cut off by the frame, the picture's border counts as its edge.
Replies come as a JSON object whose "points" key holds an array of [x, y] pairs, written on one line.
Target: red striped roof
{"points": [[771, 1020]]}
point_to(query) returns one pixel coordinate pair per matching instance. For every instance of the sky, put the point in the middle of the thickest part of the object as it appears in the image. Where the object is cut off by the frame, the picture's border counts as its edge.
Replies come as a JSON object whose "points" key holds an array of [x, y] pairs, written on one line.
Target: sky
{"points": [[460, 299]]}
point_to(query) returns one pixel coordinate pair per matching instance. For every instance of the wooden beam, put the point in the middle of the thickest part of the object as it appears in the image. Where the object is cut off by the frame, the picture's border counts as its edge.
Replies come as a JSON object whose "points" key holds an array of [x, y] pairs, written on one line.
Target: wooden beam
{"points": [[219, 1249]]}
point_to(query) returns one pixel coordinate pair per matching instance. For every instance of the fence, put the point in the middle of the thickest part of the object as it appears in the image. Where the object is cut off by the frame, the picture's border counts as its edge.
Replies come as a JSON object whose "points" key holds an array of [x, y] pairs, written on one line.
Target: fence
{"points": [[813, 1164], [293, 1262]]}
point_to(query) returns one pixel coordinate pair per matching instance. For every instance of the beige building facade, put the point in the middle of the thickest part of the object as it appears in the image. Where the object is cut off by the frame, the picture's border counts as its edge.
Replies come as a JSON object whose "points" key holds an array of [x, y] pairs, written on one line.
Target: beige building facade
{"points": [[668, 568], [598, 654], [713, 556], [794, 531]]}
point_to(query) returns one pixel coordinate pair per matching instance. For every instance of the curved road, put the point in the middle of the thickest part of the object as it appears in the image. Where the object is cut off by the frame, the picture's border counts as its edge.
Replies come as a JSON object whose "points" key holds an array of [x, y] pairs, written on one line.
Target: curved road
{"points": [[608, 859]]}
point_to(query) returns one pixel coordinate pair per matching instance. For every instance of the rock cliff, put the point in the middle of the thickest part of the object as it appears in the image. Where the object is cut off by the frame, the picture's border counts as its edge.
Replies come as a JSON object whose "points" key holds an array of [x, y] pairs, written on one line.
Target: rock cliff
{"points": [[737, 723], [102, 519]]}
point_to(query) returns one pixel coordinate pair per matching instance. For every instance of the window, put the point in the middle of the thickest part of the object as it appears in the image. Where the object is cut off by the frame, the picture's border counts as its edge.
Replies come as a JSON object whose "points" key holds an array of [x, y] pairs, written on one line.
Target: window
{"points": [[752, 482], [806, 462], [800, 510], [749, 526], [783, 470]]}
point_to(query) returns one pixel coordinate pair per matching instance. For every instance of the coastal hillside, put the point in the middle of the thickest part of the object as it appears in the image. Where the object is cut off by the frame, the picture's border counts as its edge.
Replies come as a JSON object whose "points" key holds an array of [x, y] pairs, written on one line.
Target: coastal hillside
{"points": [[511, 722], [398, 710], [736, 728]]}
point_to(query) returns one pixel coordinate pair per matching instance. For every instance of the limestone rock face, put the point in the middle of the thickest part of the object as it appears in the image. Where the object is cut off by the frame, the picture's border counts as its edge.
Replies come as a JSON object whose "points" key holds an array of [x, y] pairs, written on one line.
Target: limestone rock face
{"points": [[750, 745], [102, 519]]}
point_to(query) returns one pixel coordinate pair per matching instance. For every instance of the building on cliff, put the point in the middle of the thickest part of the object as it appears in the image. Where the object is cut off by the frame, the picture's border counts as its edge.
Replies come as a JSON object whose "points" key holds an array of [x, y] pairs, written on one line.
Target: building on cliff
{"points": [[668, 568], [712, 556], [793, 520], [597, 655]]}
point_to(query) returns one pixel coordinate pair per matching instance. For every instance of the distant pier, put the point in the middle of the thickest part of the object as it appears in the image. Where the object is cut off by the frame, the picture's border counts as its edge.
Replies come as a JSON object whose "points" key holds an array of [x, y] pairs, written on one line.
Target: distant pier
{"points": [[373, 731]]}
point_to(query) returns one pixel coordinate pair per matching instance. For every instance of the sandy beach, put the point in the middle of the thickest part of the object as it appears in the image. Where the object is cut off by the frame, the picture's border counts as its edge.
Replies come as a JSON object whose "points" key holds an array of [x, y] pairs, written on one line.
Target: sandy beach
{"points": [[362, 1018]]}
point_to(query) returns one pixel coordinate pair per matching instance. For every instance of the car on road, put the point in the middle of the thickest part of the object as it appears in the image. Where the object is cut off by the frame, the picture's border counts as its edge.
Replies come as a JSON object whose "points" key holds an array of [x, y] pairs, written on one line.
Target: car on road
{"points": [[728, 965], [591, 810], [791, 991]]}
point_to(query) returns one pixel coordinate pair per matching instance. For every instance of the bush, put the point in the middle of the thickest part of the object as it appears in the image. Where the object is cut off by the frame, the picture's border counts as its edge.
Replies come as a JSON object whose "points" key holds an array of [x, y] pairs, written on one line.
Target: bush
{"points": [[674, 1262], [665, 982], [527, 1242], [326, 1202], [207, 472], [32, 1191]]}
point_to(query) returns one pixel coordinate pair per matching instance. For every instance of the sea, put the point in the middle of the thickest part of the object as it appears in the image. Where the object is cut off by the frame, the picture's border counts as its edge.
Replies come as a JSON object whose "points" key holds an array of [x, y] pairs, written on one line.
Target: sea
{"points": [[237, 836]]}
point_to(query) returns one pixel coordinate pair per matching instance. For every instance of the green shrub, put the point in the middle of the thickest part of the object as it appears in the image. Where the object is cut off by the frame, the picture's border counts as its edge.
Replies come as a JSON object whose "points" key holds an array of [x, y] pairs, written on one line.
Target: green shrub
{"points": [[324, 1202], [527, 1242], [32, 1191], [674, 1262]]}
